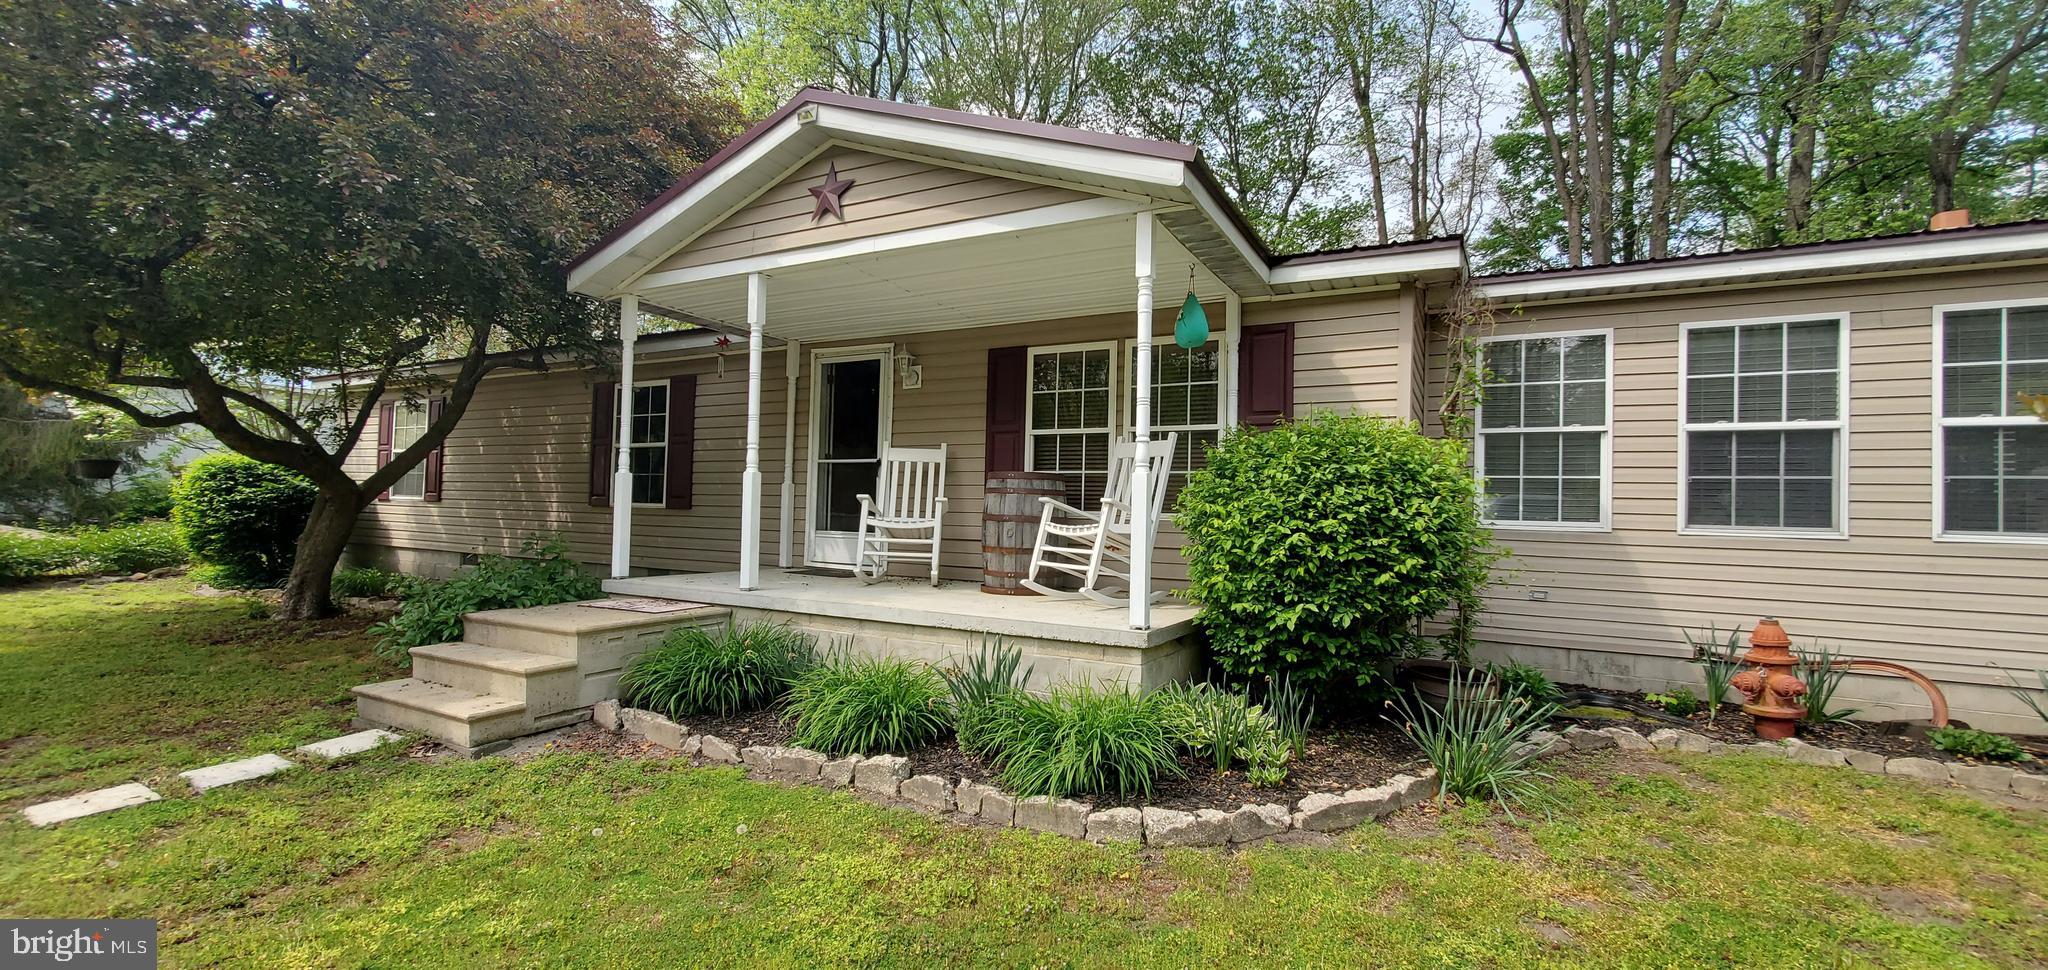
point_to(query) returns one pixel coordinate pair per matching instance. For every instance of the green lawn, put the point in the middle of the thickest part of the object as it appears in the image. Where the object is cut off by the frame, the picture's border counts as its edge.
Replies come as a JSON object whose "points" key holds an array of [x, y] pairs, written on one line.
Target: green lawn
{"points": [[1680, 861]]}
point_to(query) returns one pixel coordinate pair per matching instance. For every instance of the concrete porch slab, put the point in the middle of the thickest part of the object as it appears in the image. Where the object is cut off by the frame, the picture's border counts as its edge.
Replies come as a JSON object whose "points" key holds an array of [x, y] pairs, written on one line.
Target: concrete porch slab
{"points": [[235, 772], [90, 803], [348, 744], [950, 605]]}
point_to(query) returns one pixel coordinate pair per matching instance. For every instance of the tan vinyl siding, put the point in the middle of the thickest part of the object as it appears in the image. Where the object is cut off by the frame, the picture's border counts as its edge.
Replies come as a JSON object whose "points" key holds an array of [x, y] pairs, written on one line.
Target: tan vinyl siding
{"points": [[889, 194], [1888, 591], [1347, 350]]}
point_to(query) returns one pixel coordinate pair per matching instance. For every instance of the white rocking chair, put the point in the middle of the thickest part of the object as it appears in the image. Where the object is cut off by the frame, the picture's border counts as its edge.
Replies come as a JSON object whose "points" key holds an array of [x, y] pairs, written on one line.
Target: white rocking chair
{"points": [[904, 524], [1097, 547]]}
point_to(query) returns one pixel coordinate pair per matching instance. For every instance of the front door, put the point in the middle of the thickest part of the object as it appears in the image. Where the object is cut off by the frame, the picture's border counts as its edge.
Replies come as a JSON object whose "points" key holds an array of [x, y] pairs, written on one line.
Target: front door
{"points": [[849, 423]]}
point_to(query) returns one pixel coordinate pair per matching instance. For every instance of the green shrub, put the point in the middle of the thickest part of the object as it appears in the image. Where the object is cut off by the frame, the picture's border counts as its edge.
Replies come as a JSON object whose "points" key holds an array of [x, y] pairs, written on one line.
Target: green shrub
{"points": [[367, 581], [996, 672], [1972, 743], [1225, 728], [145, 497], [1824, 671], [1314, 548], [1476, 739], [868, 706], [1079, 740], [434, 611], [1678, 701], [29, 555], [733, 671], [242, 518], [1719, 661], [1523, 679], [136, 548]]}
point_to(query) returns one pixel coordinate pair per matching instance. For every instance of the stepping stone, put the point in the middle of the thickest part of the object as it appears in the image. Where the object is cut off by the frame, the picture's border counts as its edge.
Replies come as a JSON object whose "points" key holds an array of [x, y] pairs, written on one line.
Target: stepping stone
{"points": [[233, 772], [90, 803], [348, 744]]}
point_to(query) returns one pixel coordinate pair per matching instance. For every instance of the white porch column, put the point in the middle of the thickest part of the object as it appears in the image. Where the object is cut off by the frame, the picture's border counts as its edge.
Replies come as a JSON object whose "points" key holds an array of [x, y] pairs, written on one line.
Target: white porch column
{"points": [[785, 553], [622, 475], [1141, 435], [1233, 331], [750, 485]]}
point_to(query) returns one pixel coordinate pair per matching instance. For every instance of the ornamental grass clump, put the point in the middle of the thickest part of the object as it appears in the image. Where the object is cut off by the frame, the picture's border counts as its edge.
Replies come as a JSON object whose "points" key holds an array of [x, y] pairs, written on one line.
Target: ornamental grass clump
{"points": [[1477, 739], [1317, 547], [1079, 740], [731, 671], [868, 706], [995, 673]]}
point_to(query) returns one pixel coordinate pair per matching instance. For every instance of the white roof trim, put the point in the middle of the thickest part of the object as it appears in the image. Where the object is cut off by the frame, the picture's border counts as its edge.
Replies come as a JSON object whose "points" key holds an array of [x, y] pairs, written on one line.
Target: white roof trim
{"points": [[1103, 162], [1370, 264], [1709, 271]]}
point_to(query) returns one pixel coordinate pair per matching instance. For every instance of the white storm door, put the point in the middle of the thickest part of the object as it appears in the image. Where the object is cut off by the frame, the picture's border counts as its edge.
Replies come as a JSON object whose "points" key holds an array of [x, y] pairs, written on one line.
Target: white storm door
{"points": [[850, 398]]}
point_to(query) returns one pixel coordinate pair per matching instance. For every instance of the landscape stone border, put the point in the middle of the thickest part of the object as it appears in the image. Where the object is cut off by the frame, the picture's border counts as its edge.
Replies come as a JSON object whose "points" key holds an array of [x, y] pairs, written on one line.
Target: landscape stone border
{"points": [[890, 775]]}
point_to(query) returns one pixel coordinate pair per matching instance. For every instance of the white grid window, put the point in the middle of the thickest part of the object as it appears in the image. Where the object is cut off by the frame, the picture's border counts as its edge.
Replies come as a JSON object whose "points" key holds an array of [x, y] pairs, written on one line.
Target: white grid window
{"points": [[408, 422], [1543, 427], [1994, 452], [647, 447], [1071, 416], [1187, 398], [1762, 416]]}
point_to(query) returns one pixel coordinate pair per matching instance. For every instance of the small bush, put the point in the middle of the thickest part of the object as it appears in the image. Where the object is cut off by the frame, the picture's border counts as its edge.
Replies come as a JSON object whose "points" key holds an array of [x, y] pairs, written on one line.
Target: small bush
{"points": [[1823, 670], [367, 581], [868, 706], [1316, 547], [1678, 701], [28, 555], [1972, 743], [433, 613], [145, 497], [1079, 740], [733, 671], [1523, 679], [136, 548], [242, 518], [1475, 739], [1719, 660], [1225, 728], [996, 672]]}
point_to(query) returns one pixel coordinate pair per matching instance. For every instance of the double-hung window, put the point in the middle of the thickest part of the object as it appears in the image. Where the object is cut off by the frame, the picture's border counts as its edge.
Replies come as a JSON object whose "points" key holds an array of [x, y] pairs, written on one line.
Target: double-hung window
{"points": [[1993, 452], [1543, 430], [1762, 420], [408, 422], [1187, 399], [647, 448], [1071, 416]]}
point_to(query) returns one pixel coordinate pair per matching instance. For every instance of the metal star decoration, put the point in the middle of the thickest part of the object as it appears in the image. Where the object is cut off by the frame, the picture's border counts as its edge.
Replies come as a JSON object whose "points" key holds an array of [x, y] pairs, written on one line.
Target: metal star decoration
{"points": [[830, 193]]}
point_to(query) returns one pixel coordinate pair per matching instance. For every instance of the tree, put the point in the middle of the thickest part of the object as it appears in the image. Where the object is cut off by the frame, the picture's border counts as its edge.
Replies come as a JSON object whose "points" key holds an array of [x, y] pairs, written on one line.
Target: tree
{"points": [[1027, 59], [202, 195]]}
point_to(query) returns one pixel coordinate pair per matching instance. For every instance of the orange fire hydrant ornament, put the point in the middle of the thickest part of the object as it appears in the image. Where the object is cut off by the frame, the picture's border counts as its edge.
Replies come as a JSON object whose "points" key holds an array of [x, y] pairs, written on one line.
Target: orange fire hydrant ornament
{"points": [[1773, 692]]}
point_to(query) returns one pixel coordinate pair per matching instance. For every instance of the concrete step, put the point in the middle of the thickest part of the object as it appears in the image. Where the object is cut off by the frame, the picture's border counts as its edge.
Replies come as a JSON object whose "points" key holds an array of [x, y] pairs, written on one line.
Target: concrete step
{"points": [[465, 720], [543, 684], [600, 641]]}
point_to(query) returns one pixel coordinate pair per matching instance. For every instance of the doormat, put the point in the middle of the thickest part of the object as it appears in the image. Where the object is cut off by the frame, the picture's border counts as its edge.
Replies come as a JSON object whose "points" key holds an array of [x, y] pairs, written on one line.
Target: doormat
{"points": [[644, 604]]}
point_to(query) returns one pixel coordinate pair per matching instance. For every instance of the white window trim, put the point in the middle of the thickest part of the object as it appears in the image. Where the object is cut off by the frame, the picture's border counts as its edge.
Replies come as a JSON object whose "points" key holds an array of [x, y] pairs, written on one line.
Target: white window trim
{"points": [[667, 415], [398, 409], [1031, 354], [1840, 426], [1129, 397], [1939, 495], [1606, 429]]}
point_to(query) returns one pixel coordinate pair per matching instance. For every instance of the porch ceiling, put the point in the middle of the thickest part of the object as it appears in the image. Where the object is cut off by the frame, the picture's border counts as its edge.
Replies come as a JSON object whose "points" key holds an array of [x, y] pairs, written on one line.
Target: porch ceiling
{"points": [[1073, 269]]}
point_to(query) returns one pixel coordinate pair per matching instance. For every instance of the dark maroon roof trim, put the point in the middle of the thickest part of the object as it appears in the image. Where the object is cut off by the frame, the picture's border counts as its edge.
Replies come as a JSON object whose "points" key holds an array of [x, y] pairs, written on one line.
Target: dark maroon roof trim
{"points": [[1348, 252]]}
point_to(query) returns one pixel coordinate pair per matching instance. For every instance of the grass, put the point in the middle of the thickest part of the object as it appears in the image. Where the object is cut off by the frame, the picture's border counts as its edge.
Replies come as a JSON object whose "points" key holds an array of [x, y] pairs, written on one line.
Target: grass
{"points": [[580, 860]]}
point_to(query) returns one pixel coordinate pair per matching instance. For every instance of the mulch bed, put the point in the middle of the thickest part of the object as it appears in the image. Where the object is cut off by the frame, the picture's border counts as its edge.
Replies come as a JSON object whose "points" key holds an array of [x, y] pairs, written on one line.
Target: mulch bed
{"points": [[1340, 756], [1893, 739]]}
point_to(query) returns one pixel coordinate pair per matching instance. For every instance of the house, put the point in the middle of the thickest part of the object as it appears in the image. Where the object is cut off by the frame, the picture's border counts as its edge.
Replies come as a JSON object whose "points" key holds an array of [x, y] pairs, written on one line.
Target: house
{"points": [[1823, 433]]}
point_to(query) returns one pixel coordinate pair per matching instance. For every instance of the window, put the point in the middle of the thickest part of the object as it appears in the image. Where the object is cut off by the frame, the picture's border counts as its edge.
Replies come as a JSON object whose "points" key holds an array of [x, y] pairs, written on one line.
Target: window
{"points": [[408, 422], [1187, 398], [1993, 453], [1070, 416], [647, 448], [1761, 411], [1543, 424]]}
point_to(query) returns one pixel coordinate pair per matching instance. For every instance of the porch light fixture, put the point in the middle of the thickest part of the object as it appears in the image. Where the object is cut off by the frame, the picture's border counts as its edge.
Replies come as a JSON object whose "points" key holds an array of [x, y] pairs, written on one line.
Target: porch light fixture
{"points": [[909, 372], [1191, 329]]}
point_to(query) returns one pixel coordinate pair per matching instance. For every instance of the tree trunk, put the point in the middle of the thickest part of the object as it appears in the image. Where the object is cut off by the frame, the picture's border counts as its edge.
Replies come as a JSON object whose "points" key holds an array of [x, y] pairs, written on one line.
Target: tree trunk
{"points": [[307, 594], [1664, 134]]}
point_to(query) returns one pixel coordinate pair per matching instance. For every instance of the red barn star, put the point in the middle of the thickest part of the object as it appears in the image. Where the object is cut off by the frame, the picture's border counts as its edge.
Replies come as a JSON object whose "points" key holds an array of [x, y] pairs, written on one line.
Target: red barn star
{"points": [[830, 193]]}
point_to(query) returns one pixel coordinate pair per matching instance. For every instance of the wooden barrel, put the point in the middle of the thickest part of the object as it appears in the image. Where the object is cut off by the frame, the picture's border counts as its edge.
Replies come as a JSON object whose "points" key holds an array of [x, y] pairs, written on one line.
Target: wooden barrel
{"points": [[1010, 511]]}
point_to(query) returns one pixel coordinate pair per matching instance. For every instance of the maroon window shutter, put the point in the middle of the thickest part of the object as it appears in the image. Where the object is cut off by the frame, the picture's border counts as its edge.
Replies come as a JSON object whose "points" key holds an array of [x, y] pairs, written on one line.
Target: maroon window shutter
{"points": [[603, 400], [436, 465], [1007, 398], [682, 439], [387, 425], [1265, 373]]}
